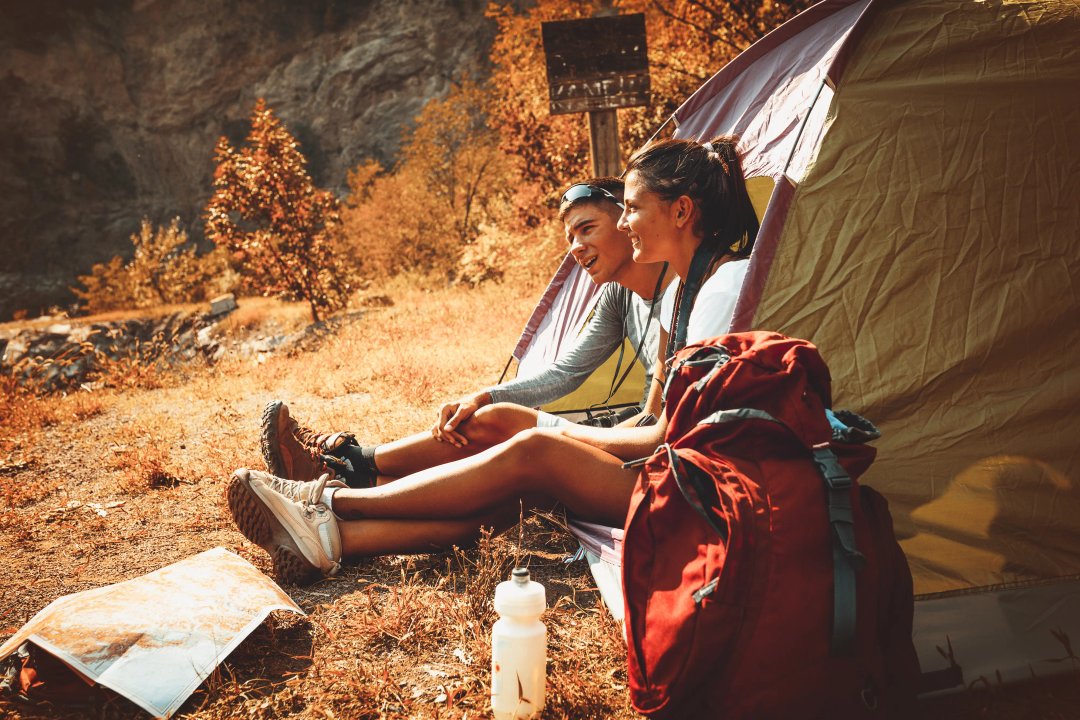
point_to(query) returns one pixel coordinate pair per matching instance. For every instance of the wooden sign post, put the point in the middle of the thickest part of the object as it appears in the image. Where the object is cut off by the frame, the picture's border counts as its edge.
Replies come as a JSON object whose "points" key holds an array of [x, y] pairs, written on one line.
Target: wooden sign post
{"points": [[594, 66]]}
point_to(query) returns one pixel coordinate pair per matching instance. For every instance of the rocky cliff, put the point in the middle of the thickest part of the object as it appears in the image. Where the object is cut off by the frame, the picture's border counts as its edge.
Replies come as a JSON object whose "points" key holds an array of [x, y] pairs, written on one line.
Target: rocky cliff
{"points": [[109, 109]]}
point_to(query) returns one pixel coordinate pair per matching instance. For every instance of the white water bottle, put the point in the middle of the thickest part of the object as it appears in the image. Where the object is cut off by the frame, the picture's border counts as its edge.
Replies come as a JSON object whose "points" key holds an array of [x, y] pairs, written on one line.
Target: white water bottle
{"points": [[518, 648]]}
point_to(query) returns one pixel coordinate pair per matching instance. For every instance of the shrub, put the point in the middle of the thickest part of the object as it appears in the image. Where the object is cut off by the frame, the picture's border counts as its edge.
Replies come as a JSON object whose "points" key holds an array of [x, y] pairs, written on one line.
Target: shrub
{"points": [[518, 258], [165, 268]]}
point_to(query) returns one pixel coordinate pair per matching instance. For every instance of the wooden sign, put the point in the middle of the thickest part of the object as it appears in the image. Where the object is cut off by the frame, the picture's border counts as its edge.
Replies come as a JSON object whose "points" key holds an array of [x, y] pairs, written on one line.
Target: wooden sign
{"points": [[597, 63]]}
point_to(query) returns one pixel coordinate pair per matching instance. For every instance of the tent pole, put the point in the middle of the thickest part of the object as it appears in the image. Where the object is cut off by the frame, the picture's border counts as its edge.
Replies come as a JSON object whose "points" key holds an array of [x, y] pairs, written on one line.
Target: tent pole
{"points": [[505, 369], [802, 125]]}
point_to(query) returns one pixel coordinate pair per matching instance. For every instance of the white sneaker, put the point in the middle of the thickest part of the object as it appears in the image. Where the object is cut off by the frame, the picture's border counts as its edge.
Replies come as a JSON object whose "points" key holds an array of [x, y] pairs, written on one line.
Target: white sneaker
{"points": [[302, 537], [301, 491]]}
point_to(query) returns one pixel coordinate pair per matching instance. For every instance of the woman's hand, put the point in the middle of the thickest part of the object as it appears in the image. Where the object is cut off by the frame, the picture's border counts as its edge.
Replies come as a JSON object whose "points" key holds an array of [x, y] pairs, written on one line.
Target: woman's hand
{"points": [[453, 414]]}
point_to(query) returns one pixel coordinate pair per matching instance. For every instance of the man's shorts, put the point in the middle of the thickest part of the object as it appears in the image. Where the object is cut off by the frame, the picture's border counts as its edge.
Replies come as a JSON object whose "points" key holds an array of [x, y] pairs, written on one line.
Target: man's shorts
{"points": [[547, 420]]}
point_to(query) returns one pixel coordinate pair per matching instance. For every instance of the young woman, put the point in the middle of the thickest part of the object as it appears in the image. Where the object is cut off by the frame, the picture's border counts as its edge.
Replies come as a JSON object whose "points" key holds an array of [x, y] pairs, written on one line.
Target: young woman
{"points": [[685, 204]]}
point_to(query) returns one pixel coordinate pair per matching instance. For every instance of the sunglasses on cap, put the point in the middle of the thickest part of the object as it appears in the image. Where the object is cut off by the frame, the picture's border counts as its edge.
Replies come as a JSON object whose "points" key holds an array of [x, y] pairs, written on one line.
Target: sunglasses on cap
{"points": [[585, 192]]}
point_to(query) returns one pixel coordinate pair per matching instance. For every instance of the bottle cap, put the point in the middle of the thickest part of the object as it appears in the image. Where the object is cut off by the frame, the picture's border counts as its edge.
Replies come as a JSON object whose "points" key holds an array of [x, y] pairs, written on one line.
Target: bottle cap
{"points": [[520, 596]]}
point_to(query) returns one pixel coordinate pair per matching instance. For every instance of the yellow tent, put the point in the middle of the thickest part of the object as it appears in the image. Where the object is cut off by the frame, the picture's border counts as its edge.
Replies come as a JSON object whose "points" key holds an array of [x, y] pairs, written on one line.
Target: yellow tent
{"points": [[923, 232]]}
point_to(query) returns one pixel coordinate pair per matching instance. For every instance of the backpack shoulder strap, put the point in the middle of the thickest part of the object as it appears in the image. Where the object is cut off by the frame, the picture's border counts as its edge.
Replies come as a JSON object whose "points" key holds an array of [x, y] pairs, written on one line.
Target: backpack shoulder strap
{"points": [[847, 559]]}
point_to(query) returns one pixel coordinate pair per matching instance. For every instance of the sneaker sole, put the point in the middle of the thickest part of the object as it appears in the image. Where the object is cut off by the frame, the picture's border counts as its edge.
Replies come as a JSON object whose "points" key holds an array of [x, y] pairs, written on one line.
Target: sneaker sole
{"points": [[260, 526], [268, 439]]}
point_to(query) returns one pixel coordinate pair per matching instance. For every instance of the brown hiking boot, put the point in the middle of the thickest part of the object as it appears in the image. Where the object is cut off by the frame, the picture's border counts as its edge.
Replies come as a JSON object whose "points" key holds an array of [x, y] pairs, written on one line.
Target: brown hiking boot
{"points": [[295, 452]]}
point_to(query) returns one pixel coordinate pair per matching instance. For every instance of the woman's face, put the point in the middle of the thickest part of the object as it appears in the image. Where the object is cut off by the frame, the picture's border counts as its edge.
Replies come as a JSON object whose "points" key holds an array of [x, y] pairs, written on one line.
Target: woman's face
{"points": [[649, 221]]}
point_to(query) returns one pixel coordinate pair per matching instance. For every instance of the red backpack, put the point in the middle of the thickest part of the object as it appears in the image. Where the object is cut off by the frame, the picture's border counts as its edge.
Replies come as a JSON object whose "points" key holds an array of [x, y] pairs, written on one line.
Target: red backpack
{"points": [[761, 581]]}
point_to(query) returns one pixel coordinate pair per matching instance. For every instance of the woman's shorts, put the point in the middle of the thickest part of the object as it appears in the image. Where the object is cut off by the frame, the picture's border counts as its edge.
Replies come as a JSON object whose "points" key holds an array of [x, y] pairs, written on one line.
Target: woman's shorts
{"points": [[547, 420]]}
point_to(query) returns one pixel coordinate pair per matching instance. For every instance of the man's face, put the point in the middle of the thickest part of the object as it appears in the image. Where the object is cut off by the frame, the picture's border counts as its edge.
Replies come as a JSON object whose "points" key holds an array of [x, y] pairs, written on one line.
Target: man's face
{"points": [[596, 242]]}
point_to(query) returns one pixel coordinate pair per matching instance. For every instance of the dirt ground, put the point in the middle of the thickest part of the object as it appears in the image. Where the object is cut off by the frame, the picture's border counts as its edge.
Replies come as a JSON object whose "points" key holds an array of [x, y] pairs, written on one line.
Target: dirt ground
{"points": [[395, 637]]}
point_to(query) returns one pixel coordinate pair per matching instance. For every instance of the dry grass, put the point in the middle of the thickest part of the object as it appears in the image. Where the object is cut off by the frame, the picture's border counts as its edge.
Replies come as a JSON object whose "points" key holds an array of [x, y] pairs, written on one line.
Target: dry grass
{"points": [[395, 637]]}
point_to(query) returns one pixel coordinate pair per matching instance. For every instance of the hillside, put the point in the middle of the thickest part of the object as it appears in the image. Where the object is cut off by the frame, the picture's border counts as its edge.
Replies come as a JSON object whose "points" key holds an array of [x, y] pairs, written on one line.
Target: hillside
{"points": [[111, 109]]}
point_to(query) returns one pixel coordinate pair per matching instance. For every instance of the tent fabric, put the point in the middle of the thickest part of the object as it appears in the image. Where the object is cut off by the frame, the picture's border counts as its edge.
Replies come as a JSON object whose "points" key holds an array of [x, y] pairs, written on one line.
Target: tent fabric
{"points": [[922, 231], [768, 92], [563, 309], [774, 96], [931, 253], [602, 548], [923, 235], [566, 302]]}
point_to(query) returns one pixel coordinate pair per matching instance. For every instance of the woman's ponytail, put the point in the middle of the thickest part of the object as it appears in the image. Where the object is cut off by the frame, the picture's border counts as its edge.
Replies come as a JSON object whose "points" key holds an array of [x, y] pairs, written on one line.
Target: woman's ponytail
{"points": [[739, 229]]}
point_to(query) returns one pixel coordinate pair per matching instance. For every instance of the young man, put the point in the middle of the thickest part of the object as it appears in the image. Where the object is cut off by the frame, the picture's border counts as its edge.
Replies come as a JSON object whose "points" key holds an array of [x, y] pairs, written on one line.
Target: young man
{"points": [[628, 307]]}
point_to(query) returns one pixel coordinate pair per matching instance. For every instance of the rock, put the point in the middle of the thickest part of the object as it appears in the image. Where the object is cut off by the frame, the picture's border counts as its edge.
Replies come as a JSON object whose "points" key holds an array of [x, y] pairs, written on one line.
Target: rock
{"points": [[112, 110], [184, 344], [79, 333], [57, 361], [212, 352], [60, 361], [264, 345], [15, 350], [203, 338], [222, 304], [48, 345]]}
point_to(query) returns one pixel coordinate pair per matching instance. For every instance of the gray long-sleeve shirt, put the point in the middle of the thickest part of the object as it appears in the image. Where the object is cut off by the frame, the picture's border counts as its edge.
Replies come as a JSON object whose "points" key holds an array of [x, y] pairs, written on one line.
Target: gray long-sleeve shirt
{"points": [[618, 314]]}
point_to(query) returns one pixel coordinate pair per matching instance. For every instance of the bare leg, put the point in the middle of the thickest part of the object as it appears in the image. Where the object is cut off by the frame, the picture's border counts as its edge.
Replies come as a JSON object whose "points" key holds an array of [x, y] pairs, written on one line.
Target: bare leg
{"points": [[539, 465], [490, 426], [384, 537]]}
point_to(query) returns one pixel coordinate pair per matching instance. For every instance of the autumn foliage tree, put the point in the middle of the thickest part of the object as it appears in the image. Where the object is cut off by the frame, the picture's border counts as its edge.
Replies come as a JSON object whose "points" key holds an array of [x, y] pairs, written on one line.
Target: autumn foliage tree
{"points": [[688, 41], [475, 187], [451, 180], [279, 227]]}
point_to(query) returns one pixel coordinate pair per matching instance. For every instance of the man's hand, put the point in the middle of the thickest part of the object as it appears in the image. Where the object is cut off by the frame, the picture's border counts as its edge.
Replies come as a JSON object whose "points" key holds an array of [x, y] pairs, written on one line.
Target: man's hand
{"points": [[453, 414]]}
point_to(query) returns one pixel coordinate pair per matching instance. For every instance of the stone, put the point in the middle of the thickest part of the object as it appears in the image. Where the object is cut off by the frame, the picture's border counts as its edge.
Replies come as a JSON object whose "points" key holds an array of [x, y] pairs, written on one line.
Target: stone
{"points": [[222, 304], [15, 351], [204, 338], [112, 110]]}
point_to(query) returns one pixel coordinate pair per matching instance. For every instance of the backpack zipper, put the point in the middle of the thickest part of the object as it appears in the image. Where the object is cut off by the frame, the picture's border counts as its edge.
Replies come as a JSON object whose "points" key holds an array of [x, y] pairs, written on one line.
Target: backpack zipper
{"points": [[705, 591]]}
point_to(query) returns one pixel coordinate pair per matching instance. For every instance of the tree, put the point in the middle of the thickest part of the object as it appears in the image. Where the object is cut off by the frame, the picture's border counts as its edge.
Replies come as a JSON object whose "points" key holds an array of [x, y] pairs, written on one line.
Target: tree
{"points": [[451, 178], [453, 147], [280, 228], [689, 40], [483, 168], [554, 149]]}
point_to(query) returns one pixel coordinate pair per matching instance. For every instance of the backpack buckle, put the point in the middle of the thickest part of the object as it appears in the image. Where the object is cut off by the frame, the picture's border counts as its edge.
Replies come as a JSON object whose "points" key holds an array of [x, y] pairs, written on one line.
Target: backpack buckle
{"points": [[836, 478]]}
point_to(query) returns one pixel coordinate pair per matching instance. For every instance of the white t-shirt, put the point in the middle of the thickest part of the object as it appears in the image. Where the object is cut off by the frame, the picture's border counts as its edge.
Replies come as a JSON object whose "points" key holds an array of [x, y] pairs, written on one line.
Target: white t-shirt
{"points": [[715, 303]]}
